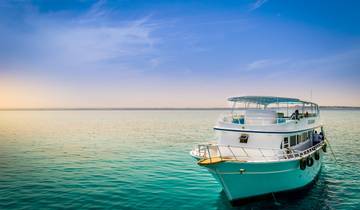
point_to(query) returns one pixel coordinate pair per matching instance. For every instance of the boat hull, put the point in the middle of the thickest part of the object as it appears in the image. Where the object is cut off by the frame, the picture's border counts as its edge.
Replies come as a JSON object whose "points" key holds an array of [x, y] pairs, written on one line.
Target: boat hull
{"points": [[243, 180]]}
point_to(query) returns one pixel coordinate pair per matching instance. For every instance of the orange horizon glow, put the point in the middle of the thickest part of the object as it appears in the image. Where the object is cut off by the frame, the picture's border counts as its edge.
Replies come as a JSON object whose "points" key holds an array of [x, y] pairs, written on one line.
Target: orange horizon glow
{"points": [[31, 93]]}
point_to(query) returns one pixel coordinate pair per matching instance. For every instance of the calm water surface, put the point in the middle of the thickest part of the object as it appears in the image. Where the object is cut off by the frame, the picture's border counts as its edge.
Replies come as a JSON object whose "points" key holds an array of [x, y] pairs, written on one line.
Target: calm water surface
{"points": [[140, 160]]}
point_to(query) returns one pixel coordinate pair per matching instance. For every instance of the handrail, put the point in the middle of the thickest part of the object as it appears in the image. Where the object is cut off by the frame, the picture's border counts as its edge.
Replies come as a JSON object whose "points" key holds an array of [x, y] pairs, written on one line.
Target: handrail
{"points": [[209, 153], [247, 155], [227, 152], [232, 152], [228, 118], [219, 153]]}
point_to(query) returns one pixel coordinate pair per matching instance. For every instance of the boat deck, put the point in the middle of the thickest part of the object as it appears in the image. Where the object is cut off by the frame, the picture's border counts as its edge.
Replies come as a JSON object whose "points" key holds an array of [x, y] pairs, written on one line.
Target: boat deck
{"points": [[213, 154]]}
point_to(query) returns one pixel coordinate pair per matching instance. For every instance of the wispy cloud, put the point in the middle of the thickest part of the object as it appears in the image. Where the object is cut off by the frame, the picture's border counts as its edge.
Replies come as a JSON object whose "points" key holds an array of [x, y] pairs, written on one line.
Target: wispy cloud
{"points": [[96, 12], [257, 4], [94, 39], [345, 64], [264, 63], [100, 43], [154, 62]]}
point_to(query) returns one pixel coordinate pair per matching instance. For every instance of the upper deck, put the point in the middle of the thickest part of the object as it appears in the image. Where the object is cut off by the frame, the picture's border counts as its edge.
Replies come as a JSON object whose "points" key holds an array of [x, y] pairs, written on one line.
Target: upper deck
{"points": [[270, 114]]}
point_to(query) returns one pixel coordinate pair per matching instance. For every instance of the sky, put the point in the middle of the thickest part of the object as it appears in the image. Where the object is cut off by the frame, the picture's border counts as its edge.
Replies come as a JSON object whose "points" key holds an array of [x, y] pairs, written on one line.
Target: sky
{"points": [[120, 53]]}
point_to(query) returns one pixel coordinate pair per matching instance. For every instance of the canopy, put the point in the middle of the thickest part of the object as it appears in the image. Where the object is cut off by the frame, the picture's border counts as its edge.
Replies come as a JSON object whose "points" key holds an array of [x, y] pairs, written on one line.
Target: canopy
{"points": [[266, 100]]}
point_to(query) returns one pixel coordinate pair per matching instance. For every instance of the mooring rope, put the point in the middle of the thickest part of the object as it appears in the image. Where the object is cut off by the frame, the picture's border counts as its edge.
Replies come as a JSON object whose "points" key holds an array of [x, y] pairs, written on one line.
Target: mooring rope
{"points": [[332, 152]]}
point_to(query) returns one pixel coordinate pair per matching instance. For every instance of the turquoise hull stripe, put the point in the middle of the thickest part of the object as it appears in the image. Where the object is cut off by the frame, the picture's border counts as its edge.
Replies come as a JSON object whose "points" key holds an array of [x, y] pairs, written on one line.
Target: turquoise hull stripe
{"points": [[262, 178]]}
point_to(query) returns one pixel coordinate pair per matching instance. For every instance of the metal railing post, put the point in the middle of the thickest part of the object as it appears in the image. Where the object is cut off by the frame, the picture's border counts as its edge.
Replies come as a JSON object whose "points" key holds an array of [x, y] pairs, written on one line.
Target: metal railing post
{"points": [[247, 155], [209, 153], [261, 152], [219, 151], [232, 152]]}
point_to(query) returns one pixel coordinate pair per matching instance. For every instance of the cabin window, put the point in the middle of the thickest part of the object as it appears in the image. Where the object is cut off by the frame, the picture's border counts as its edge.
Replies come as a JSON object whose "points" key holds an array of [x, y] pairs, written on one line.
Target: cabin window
{"points": [[244, 138], [304, 136], [286, 142], [309, 134], [292, 141]]}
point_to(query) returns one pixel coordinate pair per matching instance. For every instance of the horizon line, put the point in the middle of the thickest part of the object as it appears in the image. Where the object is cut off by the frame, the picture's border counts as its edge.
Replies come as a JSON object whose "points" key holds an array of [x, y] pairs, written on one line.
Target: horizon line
{"points": [[142, 108]]}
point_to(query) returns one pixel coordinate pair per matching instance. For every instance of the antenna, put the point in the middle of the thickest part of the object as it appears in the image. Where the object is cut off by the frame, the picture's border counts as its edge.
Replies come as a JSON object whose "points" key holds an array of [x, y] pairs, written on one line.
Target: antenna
{"points": [[311, 95]]}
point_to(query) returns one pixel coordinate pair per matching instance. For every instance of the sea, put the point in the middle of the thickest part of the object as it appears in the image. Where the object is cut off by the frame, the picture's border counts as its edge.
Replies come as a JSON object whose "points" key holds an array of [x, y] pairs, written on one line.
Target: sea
{"points": [[139, 159]]}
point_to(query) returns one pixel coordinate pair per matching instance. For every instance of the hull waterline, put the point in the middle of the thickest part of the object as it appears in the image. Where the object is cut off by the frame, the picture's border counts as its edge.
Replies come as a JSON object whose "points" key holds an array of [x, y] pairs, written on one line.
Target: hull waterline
{"points": [[247, 180]]}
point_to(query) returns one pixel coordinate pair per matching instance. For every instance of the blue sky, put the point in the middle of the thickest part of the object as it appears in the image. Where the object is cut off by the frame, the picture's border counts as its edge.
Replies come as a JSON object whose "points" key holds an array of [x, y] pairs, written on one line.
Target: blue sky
{"points": [[177, 53]]}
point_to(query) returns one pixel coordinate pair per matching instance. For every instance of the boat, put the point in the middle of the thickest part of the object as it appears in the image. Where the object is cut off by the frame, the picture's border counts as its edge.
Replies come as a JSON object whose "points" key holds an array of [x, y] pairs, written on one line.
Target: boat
{"points": [[266, 145]]}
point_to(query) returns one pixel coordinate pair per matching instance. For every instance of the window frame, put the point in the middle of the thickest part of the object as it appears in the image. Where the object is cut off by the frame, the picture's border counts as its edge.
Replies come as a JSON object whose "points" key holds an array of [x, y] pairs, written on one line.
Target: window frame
{"points": [[285, 142], [293, 138], [244, 138]]}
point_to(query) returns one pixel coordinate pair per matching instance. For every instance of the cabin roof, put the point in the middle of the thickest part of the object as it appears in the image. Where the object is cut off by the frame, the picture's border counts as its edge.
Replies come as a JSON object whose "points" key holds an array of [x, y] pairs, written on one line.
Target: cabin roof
{"points": [[266, 100]]}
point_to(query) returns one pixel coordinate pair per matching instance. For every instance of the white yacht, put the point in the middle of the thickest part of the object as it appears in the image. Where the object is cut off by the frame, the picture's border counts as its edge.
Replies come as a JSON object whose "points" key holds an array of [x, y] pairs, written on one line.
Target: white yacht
{"points": [[267, 145]]}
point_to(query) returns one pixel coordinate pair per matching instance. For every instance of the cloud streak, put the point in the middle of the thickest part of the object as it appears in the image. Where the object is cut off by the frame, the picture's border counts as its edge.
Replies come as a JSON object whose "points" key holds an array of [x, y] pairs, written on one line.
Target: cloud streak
{"points": [[343, 64], [264, 63], [257, 4], [101, 43], [89, 41]]}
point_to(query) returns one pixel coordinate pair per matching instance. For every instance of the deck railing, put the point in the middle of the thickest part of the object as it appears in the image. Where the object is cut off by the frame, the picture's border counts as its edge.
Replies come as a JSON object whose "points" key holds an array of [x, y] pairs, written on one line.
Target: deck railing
{"points": [[237, 153], [240, 119]]}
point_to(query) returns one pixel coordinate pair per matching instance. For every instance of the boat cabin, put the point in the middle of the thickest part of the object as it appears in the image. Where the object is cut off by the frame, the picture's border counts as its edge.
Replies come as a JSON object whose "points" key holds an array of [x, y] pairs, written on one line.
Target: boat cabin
{"points": [[269, 122]]}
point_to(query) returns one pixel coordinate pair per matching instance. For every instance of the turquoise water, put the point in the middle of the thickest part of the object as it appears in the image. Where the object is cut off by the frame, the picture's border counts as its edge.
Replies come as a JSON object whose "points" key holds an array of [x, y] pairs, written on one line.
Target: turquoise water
{"points": [[140, 160]]}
